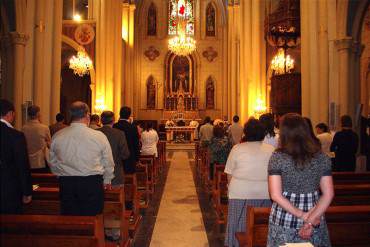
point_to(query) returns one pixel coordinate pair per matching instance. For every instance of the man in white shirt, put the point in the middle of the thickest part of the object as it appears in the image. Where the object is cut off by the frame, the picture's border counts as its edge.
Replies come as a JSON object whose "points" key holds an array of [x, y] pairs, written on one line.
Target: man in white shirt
{"points": [[206, 132], [235, 131], [82, 158], [38, 140]]}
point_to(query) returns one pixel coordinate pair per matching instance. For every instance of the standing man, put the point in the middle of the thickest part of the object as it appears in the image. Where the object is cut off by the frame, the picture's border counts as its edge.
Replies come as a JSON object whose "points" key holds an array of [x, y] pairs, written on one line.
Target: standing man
{"points": [[54, 128], [118, 144], [82, 159], [132, 137], [16, 186], [345, 145], [206, 132], [235, 131], [38, 140]]}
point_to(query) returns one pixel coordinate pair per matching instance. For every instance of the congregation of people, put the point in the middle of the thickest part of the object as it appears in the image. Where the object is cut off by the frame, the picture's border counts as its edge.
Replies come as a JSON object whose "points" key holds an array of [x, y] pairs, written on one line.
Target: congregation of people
{"points": [[265, 162]]}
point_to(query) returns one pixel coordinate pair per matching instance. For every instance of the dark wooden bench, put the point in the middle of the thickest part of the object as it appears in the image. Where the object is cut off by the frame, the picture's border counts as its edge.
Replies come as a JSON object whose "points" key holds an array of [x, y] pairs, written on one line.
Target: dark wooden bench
{"points": [[351, 194], [351, 177], [130, 190], [45, 201], [348, 226], [51, 231]]}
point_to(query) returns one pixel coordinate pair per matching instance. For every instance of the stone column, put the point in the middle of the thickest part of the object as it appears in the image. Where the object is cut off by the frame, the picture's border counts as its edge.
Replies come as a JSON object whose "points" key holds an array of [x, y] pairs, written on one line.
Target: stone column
{"points": [[129, 56], [344, 49], [56, 59], [108, 16], [252, 56], [323, 62], [233, 59], [19, 40]]}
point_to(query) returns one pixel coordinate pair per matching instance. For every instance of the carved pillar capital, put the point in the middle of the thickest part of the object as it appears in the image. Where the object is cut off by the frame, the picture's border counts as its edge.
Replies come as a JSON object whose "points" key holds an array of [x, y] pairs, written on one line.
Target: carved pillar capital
{"points": [[19, 38]]}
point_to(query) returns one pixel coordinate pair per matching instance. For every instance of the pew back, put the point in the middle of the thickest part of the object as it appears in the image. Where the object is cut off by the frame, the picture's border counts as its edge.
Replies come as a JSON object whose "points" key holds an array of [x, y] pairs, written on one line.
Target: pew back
{"points": [[51, 231]]}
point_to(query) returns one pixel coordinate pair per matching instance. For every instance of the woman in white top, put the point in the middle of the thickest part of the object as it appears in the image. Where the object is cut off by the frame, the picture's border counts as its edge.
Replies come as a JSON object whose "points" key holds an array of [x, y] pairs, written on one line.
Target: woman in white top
{"points": [[325, 137], [149, 140], [246, 167], [267, 121]]}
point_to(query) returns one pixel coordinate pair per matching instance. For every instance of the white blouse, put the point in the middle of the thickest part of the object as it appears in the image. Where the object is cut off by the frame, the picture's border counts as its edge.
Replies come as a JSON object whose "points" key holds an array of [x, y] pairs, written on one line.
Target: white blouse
{"points": [[247, 164], [149, 140]]}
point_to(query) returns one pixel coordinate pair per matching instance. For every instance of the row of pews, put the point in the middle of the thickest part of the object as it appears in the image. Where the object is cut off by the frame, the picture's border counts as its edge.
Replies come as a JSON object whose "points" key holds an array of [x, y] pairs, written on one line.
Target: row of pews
{"points": [[348, 217], [41, 224]]}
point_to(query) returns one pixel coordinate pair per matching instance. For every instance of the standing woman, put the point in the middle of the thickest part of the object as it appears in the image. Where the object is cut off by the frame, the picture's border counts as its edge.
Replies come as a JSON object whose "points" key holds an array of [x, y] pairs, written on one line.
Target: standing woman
{"points": [[267, 121], [149, 140], [297, 170], [246, 170]]}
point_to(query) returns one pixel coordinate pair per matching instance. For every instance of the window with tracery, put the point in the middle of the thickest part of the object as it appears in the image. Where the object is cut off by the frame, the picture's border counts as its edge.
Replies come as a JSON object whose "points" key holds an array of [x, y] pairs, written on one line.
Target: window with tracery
{"points": [[180, 10]]}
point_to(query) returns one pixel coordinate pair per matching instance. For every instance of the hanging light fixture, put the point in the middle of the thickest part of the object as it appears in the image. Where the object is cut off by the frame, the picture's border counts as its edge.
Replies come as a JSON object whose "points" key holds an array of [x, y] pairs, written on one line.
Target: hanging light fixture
{"points": [[80, 64], [182, 44], [282, 64]]}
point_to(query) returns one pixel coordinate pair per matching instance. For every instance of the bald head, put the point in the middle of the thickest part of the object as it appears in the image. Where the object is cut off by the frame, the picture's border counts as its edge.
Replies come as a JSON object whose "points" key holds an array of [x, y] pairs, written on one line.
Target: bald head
{"points": [[78, 111]]}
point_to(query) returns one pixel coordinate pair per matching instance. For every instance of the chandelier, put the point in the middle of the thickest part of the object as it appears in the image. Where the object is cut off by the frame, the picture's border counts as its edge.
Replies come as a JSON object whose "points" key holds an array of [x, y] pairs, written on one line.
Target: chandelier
{"points": [[282, 64], [182, 44], [81, 65]]}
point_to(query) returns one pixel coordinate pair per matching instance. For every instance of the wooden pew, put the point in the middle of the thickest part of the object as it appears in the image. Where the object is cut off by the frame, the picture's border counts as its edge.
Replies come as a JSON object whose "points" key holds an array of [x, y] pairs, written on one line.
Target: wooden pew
{"points": [[51, 231], [131, 195], [348, 226], [143, 187], [351, 194], [351, 177], [221, 198], [345, 194], [45, 201], [150, 162], [132, 198]]}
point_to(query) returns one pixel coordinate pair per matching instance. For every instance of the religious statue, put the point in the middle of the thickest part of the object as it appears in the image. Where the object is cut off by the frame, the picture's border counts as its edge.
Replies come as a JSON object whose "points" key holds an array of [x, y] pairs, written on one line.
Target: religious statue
{"points": [[180, 104], [152, 20], [210, 94], [210, 20], [151, 93], [181, 83]]}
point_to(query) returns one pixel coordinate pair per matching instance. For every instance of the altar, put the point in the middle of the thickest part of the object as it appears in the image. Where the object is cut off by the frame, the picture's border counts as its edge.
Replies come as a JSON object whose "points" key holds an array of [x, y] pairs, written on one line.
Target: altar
{"points": [[179, 133]]}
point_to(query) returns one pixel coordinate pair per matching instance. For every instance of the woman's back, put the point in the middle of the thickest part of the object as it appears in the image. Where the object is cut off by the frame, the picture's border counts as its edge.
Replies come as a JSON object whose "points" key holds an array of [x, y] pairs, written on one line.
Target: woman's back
{"points": [[149, 140], [297, 180]]}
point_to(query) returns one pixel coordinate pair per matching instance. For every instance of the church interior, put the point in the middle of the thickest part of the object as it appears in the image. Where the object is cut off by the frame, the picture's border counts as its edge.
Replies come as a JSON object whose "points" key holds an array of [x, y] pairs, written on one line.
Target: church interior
{"points": [[177, 64]]}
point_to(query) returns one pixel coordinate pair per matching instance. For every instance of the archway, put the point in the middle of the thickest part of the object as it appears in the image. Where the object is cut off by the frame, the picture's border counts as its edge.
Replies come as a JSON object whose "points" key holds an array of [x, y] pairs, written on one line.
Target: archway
{"points": [[73, 87]]}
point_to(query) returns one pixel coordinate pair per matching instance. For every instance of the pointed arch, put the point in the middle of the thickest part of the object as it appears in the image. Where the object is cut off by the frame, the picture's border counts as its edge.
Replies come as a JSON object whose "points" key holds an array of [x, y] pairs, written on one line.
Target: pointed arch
{"points": [[211, 20], [152, 20]]}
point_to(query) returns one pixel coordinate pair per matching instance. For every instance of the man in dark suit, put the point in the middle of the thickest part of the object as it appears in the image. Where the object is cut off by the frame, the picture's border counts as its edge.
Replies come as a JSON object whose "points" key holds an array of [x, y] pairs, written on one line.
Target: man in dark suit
{"points": [[118, 144], [132, 138], [16, 186]]}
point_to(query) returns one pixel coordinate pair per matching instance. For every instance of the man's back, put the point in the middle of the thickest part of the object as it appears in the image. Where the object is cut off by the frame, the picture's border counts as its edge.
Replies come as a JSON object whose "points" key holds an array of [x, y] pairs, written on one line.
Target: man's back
{"points": [[345, 145], [38, 138], [206, 132], [15, 173], [54, 128], [80, 151], [132, 142], [120, 151]]}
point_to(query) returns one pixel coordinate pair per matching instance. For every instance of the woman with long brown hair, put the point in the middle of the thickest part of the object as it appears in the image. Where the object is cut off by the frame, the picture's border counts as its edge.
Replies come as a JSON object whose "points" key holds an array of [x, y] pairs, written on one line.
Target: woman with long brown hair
{"points": [[297, 170]]}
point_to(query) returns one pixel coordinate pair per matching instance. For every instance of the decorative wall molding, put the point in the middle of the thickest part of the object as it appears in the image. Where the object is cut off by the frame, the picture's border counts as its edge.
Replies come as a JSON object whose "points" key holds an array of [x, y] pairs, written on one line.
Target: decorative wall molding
{"points": [[152, 53], [210, 54]]}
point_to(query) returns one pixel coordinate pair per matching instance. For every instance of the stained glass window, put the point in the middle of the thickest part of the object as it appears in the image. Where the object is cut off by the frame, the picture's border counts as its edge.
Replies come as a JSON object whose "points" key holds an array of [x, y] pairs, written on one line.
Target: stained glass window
{"points": [[180, 9]]}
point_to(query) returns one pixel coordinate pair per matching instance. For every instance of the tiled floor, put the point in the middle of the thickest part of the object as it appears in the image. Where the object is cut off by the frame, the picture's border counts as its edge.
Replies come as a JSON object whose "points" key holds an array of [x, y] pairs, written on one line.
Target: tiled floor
{"points": [[180, 213], [179, 221]]}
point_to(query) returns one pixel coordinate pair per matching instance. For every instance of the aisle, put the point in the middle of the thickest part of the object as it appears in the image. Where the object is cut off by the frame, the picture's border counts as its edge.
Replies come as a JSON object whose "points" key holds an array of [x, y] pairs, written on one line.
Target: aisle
{"points": [[179, 221]]}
